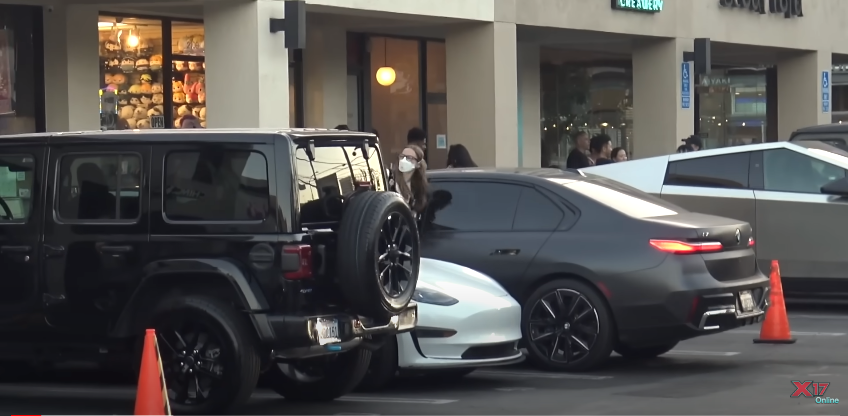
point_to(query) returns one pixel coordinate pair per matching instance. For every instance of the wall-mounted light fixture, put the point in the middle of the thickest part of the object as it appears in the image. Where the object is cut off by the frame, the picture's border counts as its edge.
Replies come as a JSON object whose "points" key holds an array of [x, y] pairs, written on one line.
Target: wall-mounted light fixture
{"points": [[385, 74]]}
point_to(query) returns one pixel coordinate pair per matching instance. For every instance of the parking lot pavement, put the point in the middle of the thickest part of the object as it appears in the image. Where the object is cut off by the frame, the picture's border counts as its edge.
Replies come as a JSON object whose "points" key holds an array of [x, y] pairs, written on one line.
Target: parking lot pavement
{"points": [[721, 374]]}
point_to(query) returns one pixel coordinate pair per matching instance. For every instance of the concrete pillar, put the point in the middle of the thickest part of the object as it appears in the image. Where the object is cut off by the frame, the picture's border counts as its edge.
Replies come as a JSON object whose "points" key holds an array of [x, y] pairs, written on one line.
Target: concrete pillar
{"points": [[482, 92], [71, 70], [325, 76], [247, 66], [529, 106], [799, 91], [659, 121]]}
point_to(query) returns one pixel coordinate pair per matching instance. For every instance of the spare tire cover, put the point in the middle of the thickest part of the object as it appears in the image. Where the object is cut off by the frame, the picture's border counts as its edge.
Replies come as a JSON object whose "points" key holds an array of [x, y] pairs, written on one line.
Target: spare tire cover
{"points": [[378, 254]]}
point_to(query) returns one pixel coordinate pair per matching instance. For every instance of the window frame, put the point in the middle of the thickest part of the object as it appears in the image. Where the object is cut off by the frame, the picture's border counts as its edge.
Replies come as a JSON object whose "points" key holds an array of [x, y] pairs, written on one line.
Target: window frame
{"points": [[802, 154], [57, 218], [426, 224], [546, 197], [674, 163], [169, 221], [32, 196]]}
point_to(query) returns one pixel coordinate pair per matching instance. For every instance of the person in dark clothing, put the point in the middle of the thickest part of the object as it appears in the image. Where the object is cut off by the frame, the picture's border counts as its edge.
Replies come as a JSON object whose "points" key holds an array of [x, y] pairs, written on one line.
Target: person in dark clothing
{"points": [[417, 137], [577, 159], [618, 154], [458, 157], [600, 148], [690, 144]]}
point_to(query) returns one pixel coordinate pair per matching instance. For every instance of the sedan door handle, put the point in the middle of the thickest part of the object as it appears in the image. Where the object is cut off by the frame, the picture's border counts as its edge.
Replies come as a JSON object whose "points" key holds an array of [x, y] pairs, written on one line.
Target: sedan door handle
{"points": [[116, 249], [15, 249], [505, 252], [53, 251]]}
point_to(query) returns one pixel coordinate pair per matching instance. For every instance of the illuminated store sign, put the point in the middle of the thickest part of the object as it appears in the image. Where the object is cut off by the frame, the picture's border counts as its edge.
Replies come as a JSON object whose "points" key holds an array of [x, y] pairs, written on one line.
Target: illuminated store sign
{"points": [[788, 8], [647, 6]]}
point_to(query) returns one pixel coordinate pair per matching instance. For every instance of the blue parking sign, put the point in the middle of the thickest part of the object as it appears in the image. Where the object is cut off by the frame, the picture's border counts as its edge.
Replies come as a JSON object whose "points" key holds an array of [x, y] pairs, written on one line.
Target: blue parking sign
{"points": [[825, 91], [685, 85]]}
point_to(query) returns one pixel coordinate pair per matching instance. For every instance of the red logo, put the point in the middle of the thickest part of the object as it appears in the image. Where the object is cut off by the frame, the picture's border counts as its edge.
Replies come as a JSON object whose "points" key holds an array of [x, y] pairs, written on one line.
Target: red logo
{"points": [[809, 388]]}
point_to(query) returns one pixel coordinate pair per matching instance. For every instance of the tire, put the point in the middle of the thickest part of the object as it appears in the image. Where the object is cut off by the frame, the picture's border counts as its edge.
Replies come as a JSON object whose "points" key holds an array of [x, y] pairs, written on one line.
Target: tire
{"points": [[383, 367], [644, 353], [367, 226], [229, 341], [341, 373], [547, 336]]}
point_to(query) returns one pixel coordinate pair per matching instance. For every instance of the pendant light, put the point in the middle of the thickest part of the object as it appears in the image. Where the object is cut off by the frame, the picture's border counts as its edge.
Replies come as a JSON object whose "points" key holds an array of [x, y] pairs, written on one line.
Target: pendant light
{"points": [[386, 75]]}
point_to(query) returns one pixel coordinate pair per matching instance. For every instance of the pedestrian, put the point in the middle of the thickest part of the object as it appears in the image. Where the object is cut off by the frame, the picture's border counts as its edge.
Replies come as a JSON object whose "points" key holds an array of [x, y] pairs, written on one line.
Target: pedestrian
{"points": [[600, 148], [411, 178], [577, 158], [618, 154], [417, 137], [458, 157], [690, 144]]}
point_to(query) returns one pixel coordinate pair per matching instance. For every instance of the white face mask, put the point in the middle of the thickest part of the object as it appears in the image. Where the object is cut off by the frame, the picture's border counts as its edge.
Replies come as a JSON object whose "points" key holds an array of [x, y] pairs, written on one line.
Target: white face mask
{"points": [[406, 165]]}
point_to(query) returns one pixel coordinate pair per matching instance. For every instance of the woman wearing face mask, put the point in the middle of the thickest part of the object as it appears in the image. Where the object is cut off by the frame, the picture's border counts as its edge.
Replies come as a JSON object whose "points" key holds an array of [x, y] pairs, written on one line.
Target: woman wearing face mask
{"points": [[411, 178]]}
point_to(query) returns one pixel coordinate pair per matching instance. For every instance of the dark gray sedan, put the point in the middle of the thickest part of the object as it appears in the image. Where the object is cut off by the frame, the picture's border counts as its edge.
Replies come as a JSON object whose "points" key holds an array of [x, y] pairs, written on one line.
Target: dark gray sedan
{"points": [[795, 194]]}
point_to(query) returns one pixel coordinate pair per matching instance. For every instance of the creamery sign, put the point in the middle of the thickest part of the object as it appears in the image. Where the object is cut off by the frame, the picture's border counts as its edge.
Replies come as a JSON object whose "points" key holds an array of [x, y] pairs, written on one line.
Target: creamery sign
{"points": [[647, 6]]}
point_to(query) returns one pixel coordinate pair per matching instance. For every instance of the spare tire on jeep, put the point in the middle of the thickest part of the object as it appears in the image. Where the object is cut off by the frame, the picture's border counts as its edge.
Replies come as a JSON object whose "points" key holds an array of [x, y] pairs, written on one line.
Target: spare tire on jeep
{"points": [[378, 253]]}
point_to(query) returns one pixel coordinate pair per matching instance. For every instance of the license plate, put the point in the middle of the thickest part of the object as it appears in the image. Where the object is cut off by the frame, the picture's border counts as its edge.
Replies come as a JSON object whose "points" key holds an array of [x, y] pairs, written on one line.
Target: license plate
{"points": [[328, 331], [746, 300]]}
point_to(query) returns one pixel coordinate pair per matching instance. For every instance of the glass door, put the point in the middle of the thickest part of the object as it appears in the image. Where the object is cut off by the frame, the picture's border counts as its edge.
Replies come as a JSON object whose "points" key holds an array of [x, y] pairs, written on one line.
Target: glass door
{"points": [[188, 75]]}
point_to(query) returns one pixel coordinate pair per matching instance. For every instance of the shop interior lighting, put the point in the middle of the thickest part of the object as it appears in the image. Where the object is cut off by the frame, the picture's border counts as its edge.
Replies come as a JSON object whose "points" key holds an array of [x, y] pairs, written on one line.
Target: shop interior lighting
{"points": [[110, 24], [132, 39], [386, 75]]}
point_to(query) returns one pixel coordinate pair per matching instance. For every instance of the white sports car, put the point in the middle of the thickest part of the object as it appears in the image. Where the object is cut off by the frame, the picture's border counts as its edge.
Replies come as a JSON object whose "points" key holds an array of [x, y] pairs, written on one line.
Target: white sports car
{"points": [[465, 320]]}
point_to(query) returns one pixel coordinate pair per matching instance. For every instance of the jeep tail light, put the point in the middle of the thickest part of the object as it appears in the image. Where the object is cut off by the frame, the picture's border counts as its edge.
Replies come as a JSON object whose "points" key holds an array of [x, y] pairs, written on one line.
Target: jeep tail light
{"points": [[297, 261], [682, 247]]}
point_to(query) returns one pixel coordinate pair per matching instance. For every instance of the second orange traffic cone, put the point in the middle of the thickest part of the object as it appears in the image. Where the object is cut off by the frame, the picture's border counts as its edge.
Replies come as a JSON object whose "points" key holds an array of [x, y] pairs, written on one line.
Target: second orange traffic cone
{"points": [[775, 329], [152, 396]]}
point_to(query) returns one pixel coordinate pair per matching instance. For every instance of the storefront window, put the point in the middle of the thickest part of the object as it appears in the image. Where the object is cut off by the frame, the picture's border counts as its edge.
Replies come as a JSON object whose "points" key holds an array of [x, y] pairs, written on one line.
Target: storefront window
{"points": [[839, 94], [586, 97], [18, 95], [132, 85], [732, 108], [395, 108], [188, 83]]}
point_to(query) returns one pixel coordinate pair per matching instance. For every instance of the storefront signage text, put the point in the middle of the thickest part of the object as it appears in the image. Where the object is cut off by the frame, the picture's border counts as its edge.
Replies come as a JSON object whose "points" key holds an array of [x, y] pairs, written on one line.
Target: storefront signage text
{"points": [[788, 8], [647, 6]]}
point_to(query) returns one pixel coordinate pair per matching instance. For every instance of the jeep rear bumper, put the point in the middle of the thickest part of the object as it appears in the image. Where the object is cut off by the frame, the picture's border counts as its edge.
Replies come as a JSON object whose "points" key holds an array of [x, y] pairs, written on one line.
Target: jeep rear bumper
{"points": [[311, 336]]}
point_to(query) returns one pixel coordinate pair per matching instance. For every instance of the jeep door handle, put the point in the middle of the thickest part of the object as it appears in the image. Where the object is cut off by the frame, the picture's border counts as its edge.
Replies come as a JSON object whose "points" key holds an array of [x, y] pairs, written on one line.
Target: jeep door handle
{"points": [[115, 249], [505, 252], [53, 251], [15, 249]]}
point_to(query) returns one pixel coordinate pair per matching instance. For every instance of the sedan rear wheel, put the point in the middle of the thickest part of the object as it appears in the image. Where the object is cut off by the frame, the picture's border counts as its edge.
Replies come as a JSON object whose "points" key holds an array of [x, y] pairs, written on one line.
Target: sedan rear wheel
{"points": [[568, 327]]}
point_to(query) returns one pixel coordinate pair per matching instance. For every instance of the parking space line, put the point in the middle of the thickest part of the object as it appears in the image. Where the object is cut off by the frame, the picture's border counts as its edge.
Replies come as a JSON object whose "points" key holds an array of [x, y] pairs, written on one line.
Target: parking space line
{"points": [[799, 333], [705, 353], [516, 374]]}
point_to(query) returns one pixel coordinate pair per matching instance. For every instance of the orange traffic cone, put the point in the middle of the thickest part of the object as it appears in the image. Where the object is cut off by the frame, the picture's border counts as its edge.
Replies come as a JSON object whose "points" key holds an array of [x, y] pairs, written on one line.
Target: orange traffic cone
{"points": [[775, 329], [152, 396]]}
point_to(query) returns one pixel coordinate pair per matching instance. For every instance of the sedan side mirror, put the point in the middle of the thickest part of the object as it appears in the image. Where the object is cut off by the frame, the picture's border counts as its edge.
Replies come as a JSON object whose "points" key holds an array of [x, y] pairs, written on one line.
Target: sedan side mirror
{"points": [[838, 187]]}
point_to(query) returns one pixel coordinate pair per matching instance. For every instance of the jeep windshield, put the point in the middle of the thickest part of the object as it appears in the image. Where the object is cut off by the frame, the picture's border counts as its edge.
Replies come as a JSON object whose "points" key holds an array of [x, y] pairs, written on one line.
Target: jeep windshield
{"points": [[338, 167]]}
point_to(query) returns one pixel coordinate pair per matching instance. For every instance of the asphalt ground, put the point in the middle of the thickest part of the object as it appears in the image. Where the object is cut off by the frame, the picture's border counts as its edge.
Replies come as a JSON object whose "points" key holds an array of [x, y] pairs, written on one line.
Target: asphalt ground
{"points": [[723, 374]]}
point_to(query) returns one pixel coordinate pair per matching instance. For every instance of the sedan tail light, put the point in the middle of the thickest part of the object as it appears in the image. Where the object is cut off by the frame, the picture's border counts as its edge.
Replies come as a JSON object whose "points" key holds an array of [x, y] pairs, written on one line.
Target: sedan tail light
{"points": [[682, 247]]}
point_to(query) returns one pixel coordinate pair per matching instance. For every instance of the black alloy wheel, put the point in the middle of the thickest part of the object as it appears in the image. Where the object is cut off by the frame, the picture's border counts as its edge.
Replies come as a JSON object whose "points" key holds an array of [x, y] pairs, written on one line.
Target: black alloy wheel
{"points": [[568, 327], [394, 247], [191, 361], [209, 353]]}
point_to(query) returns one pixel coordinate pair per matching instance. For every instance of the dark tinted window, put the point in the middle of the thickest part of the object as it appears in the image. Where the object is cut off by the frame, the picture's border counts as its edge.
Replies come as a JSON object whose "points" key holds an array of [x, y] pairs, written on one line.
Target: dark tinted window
{"points": [[17, 179], [536, 212], [336, 170], [473, 206], [99, 187], [788, 171], [216, 184], [726, 171]]}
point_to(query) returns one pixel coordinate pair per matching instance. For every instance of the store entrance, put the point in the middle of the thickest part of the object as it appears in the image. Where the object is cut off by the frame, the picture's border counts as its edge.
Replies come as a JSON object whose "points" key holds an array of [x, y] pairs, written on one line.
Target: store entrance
{"points": [[732, 106]]}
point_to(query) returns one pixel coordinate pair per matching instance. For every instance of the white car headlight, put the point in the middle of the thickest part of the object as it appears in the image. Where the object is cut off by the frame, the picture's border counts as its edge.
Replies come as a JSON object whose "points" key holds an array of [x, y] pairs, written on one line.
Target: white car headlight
{"points": [[433, 297]]}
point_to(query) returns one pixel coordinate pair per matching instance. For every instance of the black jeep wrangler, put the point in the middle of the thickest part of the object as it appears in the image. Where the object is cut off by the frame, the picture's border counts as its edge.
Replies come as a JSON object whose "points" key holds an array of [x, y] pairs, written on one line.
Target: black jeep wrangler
{"points": [[249, 251]]}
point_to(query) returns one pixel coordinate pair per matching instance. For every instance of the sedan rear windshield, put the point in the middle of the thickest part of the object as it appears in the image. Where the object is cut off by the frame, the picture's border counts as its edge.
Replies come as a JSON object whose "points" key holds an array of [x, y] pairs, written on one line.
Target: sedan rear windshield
{"points": [[622, 198]]}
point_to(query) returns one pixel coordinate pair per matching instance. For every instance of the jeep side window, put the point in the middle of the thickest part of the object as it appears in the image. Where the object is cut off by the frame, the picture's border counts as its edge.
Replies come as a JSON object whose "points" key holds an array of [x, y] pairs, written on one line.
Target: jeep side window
{"points": [[99, 187], [216, 184], [17, 176]]}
